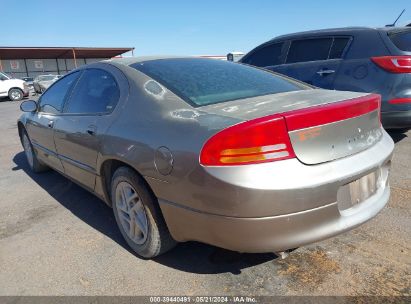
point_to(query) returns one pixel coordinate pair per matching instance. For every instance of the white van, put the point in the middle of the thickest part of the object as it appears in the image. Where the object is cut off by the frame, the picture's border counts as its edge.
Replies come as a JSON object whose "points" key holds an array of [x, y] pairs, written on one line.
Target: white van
{"points": [[15, 89], [235, 56]]}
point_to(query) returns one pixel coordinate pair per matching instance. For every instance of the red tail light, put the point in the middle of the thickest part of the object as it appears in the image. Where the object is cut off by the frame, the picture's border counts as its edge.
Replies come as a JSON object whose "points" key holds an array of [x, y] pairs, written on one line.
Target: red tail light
{"points": [[256, 141], [394, 64], [400, 100]]}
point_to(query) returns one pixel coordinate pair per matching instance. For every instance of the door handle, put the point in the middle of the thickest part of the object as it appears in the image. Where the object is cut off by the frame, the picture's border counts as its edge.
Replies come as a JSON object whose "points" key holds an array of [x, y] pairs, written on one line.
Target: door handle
{"points": [[325, 72], [91, 130], [50, 124]]}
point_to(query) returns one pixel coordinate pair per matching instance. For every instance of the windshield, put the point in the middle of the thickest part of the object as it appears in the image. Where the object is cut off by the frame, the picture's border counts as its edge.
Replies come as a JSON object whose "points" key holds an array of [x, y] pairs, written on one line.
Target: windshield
{"points": [[4, 76], [203, 82]]}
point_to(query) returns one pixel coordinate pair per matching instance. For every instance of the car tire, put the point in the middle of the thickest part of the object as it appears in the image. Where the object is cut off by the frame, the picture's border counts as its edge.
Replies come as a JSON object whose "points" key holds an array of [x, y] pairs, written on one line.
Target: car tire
{"points": [[16, 94], [35, 165], [138, 214]]}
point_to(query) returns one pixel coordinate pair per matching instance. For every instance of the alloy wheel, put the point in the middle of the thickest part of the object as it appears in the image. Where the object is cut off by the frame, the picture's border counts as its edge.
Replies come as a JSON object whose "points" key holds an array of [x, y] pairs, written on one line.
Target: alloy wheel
{"points": [[28, 150], [131, 212], [16, 95]]}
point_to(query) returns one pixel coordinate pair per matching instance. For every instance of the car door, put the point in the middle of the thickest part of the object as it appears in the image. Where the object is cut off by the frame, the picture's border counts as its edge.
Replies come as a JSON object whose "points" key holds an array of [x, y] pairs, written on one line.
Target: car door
{"points": [[86, 115], [40, 124], [315, 60]]}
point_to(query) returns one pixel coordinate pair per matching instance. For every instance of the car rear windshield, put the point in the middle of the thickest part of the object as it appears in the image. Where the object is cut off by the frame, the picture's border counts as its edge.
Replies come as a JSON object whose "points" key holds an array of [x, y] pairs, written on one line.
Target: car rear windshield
{"points": [[201, 81], [402, 40]]}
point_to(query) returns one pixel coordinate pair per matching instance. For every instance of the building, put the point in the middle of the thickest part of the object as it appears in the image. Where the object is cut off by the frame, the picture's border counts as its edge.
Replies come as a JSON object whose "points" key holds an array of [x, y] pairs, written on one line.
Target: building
{"points": [[32, 61]]}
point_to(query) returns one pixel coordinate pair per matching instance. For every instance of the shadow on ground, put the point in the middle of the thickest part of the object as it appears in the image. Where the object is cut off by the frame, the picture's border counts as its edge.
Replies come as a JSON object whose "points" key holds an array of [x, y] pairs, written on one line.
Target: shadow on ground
{"points": [[397, 135], [189, 257]]}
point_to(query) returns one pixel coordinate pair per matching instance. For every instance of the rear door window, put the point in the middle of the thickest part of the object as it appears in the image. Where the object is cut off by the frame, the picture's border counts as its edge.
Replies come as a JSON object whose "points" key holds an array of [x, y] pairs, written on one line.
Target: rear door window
{"points": [[338, 47], [309, 50], [96, 92], [402, 40], [266, 56]]}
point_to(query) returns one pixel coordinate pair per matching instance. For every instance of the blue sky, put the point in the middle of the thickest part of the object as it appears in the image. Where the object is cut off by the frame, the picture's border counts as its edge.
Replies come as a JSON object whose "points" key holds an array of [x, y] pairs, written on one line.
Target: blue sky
{"points": [[182, 27]]}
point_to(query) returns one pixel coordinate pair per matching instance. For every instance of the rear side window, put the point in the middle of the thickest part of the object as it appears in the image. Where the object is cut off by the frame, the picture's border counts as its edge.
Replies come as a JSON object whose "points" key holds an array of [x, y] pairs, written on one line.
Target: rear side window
{"points": [[266, 56], [309, 50], [402, 40], [52, 100], [96, 92], [338, 47]]}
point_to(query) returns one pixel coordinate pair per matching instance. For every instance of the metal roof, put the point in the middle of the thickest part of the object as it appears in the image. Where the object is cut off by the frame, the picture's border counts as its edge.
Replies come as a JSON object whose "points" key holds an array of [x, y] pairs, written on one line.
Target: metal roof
{"points": [[60, 52]]}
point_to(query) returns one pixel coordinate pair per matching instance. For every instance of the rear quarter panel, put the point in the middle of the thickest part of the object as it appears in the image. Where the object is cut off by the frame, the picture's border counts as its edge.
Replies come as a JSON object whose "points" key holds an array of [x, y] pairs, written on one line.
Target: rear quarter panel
{"points": [[146, 122], [400, 83], [358, 73]]}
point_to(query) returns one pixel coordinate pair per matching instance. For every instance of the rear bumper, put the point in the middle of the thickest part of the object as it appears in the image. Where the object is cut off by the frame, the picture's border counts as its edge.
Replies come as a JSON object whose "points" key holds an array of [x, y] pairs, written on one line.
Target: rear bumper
{"points": [[275, 233], [26, 91], [398, 119], [278, 206]]}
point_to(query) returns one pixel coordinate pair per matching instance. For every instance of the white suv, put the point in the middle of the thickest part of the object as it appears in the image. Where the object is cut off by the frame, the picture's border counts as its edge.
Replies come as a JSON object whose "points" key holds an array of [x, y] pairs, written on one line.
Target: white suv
{"points": [[13, 88]]}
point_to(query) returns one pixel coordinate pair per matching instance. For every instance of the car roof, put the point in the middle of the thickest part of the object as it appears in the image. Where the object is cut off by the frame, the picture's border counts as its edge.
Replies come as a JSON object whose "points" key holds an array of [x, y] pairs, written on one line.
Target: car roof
{"points": [[396, 29], [338, 31]]}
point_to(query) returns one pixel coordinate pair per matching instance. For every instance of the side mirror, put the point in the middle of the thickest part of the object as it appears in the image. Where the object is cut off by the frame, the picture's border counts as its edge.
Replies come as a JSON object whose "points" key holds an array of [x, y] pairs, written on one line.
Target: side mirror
{"points": [[28, 106]]}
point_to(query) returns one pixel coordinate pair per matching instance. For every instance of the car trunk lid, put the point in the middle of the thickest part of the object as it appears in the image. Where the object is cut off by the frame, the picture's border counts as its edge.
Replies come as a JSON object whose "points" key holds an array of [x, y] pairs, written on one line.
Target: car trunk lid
{"points": [[322, 125], [324, 133]]}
